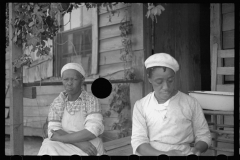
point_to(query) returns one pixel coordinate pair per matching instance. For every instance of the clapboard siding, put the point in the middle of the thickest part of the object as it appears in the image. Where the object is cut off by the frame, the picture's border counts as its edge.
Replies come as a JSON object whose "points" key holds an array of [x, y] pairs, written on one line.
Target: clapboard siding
{"points": [[28, 131], [113, 43], [115, 19], [41, 100], [35, 122], [112, 68], [110, 57], [109, 31], [35, 112], [228, 22]]}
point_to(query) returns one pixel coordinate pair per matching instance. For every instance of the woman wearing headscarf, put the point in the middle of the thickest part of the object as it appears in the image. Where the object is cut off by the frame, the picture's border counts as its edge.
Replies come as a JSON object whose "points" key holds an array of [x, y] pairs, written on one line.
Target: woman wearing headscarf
{"points": [[166, 121], [74, 119]]}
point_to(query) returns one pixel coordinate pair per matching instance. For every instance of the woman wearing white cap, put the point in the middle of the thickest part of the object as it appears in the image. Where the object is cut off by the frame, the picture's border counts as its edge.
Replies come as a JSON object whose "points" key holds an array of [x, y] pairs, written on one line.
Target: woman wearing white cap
{"points": [[166, 121], [75, 119]]}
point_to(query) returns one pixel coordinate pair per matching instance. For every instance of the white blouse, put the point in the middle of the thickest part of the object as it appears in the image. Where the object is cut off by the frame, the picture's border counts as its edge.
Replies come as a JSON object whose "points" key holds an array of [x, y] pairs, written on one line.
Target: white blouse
{"points": [[172, 125]]}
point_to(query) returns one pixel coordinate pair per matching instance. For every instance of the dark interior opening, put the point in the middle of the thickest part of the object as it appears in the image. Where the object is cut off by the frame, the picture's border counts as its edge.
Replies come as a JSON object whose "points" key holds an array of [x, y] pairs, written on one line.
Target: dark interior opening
{"points": [[205, 46]]}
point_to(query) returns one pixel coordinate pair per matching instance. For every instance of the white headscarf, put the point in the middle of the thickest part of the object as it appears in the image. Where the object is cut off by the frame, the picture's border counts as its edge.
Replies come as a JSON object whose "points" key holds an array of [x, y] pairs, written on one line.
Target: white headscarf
{"points": [[75, 66], [162, 59]]}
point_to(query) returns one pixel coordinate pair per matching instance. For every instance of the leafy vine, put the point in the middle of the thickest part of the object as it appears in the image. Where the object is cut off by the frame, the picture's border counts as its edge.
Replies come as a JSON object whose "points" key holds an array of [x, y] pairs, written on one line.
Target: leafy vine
{"points": [[120, 103], [35, 23]]}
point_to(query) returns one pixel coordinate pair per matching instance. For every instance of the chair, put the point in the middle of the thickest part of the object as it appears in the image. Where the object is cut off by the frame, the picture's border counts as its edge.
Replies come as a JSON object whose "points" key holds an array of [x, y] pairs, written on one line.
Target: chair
{"points": [[218, 71]]}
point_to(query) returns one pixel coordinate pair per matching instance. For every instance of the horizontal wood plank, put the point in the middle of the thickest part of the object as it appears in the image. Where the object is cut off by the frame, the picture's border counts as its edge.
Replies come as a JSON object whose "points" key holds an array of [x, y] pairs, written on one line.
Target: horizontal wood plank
{"points": [[34, 122], [221, 125], [221, 149], [113, 68], [225, 140], [228, 39], [122, 151], [45, 90], [109, 31], [228, 21], [42, 100], [117, 143], [37, 112], [114, 43], [115, 19], [227, 7], [28, 131], [225, 70], [29, 92], [225, 87], [229, 53], [221, 131], [110, 57], [218, 112]]}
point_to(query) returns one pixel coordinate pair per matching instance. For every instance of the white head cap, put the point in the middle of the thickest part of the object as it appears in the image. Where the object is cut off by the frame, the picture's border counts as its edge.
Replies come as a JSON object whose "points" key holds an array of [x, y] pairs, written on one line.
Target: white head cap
{"points": [[75, 66], [162, 59]]}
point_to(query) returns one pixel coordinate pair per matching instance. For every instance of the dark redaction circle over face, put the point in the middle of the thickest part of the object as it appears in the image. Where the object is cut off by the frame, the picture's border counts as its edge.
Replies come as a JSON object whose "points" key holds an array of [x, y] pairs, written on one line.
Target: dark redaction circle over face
{"points": [[101, 88]]}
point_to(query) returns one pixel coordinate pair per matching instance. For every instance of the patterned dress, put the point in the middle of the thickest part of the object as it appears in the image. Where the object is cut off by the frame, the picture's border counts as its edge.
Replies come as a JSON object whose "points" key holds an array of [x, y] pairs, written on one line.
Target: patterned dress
{"points": [[73, 116], [169, 126]]}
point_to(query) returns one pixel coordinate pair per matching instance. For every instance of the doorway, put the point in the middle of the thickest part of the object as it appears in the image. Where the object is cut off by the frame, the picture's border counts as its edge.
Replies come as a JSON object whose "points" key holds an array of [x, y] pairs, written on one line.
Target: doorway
{"points": [[183, 31]]}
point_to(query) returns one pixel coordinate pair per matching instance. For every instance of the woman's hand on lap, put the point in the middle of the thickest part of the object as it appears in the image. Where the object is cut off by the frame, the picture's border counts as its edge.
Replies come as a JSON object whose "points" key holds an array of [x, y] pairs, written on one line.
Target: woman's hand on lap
{"points": [[87, 147], [56, 136]]}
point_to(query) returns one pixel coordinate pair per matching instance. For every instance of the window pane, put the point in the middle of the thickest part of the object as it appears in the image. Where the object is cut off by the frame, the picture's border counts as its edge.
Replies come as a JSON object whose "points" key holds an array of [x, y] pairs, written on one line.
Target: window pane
{"points": [[70, 43], [65, 45], [65, 21], [87, 16], [75, 18]]}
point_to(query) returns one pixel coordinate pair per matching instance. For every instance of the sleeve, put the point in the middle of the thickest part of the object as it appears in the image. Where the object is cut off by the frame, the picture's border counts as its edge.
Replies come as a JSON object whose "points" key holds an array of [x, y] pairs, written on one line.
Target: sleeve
{"points": [[94, 119], [200, 126], [55, 115], [139, 128]]}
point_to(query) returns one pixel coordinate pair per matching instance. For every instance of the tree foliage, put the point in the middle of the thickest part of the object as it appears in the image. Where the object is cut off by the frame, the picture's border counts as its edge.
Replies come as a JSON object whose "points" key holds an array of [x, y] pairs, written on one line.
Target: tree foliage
{"points": [[35, 23]]}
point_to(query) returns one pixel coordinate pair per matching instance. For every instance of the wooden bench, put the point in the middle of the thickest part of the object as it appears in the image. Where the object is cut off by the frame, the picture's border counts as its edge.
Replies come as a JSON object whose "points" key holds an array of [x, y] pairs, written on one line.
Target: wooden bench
{"points": [[119, 147]]}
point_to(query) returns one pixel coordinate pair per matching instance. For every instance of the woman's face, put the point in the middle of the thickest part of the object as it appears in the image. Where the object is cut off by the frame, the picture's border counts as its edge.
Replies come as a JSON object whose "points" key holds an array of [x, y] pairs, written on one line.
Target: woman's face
{"points": [[72, 81], [162, 83]]}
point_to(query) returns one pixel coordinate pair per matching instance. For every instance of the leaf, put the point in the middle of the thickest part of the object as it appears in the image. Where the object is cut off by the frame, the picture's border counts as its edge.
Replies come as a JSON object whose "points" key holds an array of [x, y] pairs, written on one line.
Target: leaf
{"points": [[161, 7], [31, 24], [148, 13], [19, 32], [15, 39]]}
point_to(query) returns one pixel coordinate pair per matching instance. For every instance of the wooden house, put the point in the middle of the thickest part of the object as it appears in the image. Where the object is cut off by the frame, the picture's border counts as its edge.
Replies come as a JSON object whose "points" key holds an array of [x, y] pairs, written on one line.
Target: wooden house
{"points": [[94, 39]]}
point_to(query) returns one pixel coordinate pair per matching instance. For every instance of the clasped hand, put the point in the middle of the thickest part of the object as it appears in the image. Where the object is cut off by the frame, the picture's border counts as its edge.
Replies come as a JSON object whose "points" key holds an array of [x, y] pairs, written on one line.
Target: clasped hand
{"points": [[86, 146]]}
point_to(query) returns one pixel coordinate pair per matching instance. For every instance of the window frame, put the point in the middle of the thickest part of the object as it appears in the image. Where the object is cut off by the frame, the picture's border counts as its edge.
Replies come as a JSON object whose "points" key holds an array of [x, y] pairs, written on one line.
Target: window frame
{"points": [[94, 56]]}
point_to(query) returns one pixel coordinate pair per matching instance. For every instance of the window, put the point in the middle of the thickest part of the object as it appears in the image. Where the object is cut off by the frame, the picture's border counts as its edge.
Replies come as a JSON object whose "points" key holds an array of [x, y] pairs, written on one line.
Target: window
{"points": [[74, 42]]}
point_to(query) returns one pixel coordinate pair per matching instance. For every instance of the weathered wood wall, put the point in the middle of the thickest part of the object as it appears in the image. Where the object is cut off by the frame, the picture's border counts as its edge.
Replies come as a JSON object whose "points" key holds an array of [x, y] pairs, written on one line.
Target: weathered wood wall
{"points": [[177, 33], [110, 67]]}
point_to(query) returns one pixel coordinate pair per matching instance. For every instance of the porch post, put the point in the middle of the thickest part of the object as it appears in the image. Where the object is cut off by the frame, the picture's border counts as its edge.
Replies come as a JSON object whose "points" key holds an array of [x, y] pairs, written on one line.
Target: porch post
{"points": [[16, 94]]}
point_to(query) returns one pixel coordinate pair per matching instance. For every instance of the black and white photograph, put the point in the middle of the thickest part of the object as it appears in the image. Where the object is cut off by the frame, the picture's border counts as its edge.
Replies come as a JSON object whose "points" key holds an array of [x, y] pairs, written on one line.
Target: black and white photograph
{"points": [[120, 79]]}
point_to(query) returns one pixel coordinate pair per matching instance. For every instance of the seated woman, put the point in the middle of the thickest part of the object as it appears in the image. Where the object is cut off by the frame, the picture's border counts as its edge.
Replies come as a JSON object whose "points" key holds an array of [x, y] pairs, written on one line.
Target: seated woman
{"points": [[75, 119], [166, 121]]}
